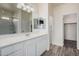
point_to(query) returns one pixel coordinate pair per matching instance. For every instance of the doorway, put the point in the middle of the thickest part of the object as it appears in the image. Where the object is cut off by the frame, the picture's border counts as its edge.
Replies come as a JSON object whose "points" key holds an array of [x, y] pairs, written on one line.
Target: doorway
{"points": [[70, 31]]}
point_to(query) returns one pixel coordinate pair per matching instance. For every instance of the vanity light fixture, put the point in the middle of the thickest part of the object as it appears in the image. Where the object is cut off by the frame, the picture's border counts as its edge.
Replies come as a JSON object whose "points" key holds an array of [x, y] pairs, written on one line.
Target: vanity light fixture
{"points": [[32, 9], [28, 10], [22, 4], [25, 7], [19, 6]]}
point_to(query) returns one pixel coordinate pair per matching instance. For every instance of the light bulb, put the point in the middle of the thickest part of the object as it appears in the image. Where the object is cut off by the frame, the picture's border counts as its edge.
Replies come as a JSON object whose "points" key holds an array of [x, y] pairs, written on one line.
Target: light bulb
{"points": [[22, 4], [28, 10], [24, 8], [28, 7], [19, 6], [32, 9]]}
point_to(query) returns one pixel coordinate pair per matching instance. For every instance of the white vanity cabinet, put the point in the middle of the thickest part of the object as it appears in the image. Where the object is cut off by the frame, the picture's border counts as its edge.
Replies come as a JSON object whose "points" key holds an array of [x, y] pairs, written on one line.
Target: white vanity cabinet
{"points": [[16, 49], [31, 47], [7, 50], [42, 44], [19, 49]]}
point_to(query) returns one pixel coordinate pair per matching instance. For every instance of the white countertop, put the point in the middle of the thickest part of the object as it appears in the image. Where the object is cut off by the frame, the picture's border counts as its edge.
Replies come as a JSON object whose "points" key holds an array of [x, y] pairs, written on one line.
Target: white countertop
{"points": [[14, 38]]}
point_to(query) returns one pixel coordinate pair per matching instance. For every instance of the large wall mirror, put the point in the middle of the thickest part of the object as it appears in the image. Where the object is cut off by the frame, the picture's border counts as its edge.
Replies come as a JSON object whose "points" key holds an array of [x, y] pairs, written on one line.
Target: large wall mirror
{"points": [[14, 20]]}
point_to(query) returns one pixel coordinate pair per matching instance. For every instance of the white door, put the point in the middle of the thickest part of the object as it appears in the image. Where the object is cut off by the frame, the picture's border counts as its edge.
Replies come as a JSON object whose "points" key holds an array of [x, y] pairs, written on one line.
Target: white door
{"points": [[70, 31]]}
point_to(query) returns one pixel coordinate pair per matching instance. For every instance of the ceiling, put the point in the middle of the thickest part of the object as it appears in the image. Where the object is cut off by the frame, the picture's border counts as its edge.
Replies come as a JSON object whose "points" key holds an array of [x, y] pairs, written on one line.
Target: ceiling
{"points": [[56, 4], [12, 6]]}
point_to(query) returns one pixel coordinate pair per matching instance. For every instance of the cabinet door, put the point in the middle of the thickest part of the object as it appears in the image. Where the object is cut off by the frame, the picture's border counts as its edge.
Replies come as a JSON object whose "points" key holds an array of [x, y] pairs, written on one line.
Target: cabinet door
{"points": [[15, 49], [7, 50], [31, 50], [30, 46], [19, 46], [42, 45]]}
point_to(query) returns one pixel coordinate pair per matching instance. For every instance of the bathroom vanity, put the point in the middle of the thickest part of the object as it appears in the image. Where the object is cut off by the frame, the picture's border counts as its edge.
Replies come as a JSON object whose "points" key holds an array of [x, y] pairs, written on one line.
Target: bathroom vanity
{"points": [[24, 44], [21, 33]]}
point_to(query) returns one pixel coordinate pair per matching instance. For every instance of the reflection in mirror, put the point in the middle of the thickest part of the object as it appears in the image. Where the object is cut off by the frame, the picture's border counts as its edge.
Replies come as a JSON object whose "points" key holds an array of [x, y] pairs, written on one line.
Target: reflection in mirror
{"points": [[26, 21], [6, 22], [14, 20], [39, 23]]}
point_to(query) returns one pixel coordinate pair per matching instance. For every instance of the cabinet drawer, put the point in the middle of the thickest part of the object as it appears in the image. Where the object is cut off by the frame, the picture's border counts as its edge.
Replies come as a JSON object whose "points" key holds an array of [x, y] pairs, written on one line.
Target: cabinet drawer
{"points": [[7, 50], [12, 48], [17, 53]]}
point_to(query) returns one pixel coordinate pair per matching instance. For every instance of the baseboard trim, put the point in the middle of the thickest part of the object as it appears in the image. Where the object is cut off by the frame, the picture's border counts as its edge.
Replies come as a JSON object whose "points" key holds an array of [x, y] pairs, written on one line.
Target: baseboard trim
{"points": [[58, 44]]}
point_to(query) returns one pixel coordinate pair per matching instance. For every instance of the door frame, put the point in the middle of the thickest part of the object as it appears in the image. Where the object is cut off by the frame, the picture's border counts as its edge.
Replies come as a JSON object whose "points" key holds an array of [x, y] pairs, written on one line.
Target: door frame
{"points": [[77, 27]]}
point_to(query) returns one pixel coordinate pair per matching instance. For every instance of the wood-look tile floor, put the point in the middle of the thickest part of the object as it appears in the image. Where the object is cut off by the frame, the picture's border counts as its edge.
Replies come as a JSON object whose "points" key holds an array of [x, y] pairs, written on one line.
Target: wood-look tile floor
{"points": [[61, 51], [70, 43]]}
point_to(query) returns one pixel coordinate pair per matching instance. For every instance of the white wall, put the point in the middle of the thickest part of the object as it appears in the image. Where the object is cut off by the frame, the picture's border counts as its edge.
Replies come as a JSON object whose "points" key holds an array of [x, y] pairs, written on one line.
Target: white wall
{"points": [[71, 18], [40, 10], [50, 22], [58, 13], [78, 31], [43, 12]]}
